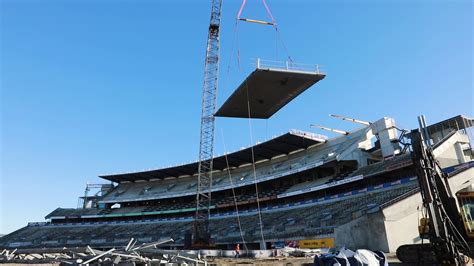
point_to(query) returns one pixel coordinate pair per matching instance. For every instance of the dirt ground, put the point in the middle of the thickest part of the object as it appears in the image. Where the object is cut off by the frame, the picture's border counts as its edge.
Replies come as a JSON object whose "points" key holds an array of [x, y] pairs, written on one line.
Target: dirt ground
{"points": [[289, 261], [277, 261], [261, 262]]}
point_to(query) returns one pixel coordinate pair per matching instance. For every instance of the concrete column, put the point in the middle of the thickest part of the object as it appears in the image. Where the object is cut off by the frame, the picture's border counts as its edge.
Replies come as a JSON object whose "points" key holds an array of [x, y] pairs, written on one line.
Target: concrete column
{"points": [[460, 152], [385, 128]]}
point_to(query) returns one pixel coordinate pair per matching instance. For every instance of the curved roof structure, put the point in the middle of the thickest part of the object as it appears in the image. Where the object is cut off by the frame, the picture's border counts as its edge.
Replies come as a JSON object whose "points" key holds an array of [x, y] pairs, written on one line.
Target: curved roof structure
{"points": [[284, 144]]}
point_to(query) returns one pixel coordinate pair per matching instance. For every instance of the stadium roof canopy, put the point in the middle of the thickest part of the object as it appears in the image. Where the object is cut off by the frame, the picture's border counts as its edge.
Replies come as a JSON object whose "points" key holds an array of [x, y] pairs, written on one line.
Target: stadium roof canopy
{"points": [[267, 89], [454, 123], [283, 144]]}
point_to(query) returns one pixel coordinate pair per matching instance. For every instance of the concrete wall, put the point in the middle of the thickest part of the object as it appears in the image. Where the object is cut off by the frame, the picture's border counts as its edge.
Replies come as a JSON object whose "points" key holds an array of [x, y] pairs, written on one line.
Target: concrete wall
{"points": [[461, 180], [397, 224], [401, 222], [449, 153], [387, 132], [366, 232], [401, 219], [383, 230]]}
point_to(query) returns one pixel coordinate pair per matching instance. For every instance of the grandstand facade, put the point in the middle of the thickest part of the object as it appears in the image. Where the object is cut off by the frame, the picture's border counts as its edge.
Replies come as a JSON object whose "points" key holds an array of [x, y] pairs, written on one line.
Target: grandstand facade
{"points": [[358, 190]]}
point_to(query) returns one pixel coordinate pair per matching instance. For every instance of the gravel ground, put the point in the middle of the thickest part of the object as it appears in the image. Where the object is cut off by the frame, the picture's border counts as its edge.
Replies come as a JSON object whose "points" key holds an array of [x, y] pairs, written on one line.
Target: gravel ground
{"points": [[392, 259]]}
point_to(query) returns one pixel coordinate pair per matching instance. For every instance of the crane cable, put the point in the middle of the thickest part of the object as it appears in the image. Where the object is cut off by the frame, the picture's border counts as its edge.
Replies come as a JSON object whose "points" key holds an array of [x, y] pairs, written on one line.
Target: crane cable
{"points": [[273, 23], [235, 39], [279, 38], [233, 193], [253, 164]]}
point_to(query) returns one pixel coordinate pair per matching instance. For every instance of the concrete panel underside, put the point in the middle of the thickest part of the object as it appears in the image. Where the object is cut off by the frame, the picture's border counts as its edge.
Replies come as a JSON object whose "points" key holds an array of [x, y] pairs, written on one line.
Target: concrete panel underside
{"points": [[266, 91]]}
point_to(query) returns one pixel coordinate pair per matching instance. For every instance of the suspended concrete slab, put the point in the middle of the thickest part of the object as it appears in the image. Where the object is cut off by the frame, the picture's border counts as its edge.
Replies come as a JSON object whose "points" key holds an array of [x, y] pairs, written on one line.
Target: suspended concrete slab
{"points": [[267, 89]]}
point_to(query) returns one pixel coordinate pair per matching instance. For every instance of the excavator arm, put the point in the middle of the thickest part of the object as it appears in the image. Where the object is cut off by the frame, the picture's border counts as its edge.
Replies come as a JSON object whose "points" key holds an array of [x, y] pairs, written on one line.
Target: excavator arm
{"points": [[447, 239]]}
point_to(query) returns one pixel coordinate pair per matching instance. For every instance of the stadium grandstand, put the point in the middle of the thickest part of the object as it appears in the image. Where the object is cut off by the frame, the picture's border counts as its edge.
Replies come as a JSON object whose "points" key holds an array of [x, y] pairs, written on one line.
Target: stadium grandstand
{"points": [[357, 190]]}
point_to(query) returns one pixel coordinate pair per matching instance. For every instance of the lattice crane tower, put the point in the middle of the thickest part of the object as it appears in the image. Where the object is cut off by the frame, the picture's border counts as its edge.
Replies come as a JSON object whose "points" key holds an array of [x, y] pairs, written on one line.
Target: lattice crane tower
{"points": [[201, 235]]}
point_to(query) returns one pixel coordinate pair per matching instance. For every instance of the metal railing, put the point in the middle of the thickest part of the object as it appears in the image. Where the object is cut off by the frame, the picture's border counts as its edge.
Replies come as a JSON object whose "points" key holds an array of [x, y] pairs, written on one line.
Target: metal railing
{"points": [[287, 65]]}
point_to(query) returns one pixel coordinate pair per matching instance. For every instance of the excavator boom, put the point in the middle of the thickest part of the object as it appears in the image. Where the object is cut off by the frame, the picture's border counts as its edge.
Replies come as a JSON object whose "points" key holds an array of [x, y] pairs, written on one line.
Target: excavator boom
{"points": [[441, 225]]}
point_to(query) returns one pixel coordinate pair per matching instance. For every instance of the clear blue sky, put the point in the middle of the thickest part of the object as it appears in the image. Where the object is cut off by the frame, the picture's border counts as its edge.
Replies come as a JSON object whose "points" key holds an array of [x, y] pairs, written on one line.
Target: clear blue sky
{"points": [[93, 87]]}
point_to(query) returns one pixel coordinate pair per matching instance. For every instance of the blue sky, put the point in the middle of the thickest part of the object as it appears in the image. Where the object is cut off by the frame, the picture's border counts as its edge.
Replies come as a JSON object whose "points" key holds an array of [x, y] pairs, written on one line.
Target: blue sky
{"points": [[93, 87]]}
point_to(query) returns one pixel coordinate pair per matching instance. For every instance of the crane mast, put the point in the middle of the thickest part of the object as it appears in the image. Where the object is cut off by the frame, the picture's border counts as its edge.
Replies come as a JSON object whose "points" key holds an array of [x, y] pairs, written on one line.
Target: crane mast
{"points": [[201, 235]]}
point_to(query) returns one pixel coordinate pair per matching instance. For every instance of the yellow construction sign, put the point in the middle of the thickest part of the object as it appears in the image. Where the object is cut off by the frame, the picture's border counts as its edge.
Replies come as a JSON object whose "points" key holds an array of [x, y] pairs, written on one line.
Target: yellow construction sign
{"points": [[317, 243]]}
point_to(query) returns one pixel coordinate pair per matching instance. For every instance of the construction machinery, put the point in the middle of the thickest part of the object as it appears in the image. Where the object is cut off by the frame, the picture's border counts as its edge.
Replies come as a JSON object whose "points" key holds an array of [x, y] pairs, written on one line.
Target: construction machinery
{"points": [[447, 227], [201, 235]]}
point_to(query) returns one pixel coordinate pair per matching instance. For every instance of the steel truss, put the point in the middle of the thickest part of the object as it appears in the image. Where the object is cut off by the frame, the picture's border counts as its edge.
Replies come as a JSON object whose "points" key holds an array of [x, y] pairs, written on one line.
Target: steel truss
{"points": [[201, 236]]}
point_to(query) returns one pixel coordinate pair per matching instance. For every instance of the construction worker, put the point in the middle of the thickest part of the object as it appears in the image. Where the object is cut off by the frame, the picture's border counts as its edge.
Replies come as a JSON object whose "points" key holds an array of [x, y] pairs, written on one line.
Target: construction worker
{"points": [[237, 251]]}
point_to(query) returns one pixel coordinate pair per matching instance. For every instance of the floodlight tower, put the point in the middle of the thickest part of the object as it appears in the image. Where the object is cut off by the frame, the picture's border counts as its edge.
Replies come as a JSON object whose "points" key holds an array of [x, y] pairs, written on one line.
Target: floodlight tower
{"points": [[201, 235]]}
